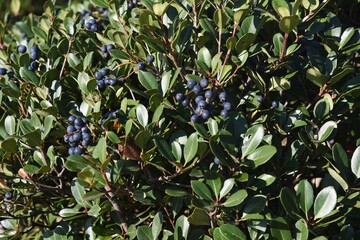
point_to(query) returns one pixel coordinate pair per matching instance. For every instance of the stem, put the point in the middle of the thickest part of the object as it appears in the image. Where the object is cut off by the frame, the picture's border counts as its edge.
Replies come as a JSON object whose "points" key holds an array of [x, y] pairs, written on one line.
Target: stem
{"points": [[283, 51], [112, 199], [71, 40]]}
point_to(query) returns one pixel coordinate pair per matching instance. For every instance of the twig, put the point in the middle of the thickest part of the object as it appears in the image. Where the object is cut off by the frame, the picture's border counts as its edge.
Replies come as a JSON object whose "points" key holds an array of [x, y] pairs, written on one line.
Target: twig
{"points": [[283, 51]]}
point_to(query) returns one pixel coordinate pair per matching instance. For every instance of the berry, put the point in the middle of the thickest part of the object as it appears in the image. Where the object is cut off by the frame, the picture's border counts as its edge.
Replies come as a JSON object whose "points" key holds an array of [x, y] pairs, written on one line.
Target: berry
{"points": [[71, 151], [260, 98], [150, 59], [198, 99], [208, 94], [205, 114], [179, 96], [202, 104], [191, 83], [222, 96], [194, 118], [113, 81], [131, 5], [86, 136], [3, 71], [77, 137], [100, 84], [105, 71], [227, 106], [34, 55], [185, 102], [197, 88], [70, 129], [79, 122], [66, 138], [217, 161], [204, 83], [85, 130], [109, 47], [85, 143], [21, 49], [88, 26], [274, 104], [141, 66], [224, 113], [106, 55], [198, 111], [103, 48], [107, 81], [8, 195], [98, 75], [121, 81], [92, 21], [33, 66], [78, 151], [94, 28]]}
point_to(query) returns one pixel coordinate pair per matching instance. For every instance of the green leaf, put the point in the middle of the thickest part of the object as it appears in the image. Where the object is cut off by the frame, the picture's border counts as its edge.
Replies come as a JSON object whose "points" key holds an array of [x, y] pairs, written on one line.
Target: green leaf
{"points": [[261, 155], [191, 147], [228, 232], [9, 145], [326, 130], [199, 217], [341, 161], [254, 205], [338, 179], [213, 127], [157, 225], [280, 229], [355, 162], [144, 233], [148, 80], [228, 185], [289, 23], [302, 232], [78, 192], [346, 36], [165, 82], [164, 148], [236, 198], [10, 124], [142, 115], [100, 3], [289, 202], [182, 226], [252, 139], [305, 195], [325, 202], [68, 212], [205, 57], [281, 7], [100, 150], [29, 76], [176, 192], [321, 109], [316, 77], [201, 189]]}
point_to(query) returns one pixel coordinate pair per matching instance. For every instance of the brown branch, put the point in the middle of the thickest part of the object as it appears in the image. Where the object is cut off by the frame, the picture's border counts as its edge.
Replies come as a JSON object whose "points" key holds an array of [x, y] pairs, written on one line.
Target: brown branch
{"points": [[283, 51]]}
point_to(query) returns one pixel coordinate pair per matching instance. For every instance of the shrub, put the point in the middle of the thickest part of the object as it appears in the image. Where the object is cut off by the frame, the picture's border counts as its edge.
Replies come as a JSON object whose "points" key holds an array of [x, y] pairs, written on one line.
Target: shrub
{"points": [[180, 120]]}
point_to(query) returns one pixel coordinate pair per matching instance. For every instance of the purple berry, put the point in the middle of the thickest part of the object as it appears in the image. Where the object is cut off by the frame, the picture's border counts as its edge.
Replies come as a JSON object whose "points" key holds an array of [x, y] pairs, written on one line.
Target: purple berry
{"points": [[185, 102], [70, 129], [217, 161], [204, 83], [222, 96], [197, 89], [78, 151], [274, 104], [105, 71], [179, 97], [150, 59], [71, 151], [194, 118], [198, 99], [224, 113], [98, 75], [191, 83], [8, 195], [21, 49], [260, 98], [205, 114], [208, 94], [227, 106], [141, 66], [109, 47], [3, 71], [202, 104]]}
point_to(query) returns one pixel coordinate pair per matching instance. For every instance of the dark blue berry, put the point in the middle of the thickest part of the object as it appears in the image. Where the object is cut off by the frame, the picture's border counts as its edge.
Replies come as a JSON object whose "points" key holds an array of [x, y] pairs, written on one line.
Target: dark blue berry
{"points": [[98, 75], [71, 151], [34, 55], [109, 47], [222, 96], [194, 118], [260, 98], [33, 66], [88, 25], [131, 5], [70, 129], [94, 28], [227, 106], [85, 143], [204, 83], [224, 113], [100, 84], [77, 137], [179, 97], [66, 138], [73, 144], [205, 114], [78, 151], [202, 104], [8, 195], [92, 21], [191, 83], [208, 94], [198, 111], [21, 49], [150, 59], [185, 102], [86, 136], [107, 81], [105, 71], [141, 66], [217, 161], [113, 81], [121, 81], [103, 48], [3, 71], [197, 89], [85, 130], [198, 99], [106, 55], [79, 122], [274, 104]]}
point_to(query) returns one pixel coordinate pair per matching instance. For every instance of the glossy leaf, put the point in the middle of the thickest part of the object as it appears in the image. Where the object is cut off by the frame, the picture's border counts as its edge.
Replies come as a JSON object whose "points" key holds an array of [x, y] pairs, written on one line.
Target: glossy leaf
{"points": [[325, 202]]}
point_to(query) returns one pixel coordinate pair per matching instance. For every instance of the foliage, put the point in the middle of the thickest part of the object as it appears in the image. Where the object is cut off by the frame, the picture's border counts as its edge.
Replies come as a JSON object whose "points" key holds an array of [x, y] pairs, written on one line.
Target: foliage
{"points": [[272, 151]]}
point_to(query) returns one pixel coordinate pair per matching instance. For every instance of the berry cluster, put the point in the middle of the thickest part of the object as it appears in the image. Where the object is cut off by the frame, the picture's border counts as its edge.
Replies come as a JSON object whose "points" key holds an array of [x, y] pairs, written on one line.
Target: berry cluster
{"points": [[78, 135], [103, 11], [34, 55], [93, 25], [4, 71], [107, 115], [204, 102], [103, 79], [105, 49]]}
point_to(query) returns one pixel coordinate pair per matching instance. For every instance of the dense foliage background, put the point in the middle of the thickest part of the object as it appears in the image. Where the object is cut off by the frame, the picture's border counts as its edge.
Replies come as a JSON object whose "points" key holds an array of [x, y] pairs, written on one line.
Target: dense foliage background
{"points": [[180, 120]]}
